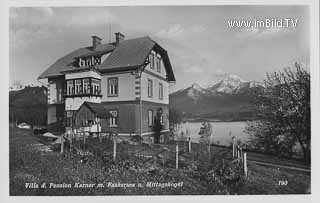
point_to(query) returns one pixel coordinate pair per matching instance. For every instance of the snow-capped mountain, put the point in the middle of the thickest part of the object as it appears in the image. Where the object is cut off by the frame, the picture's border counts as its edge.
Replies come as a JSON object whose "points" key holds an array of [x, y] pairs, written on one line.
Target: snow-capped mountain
{"points": [[231, 84], [195, 92], [230, 96]]}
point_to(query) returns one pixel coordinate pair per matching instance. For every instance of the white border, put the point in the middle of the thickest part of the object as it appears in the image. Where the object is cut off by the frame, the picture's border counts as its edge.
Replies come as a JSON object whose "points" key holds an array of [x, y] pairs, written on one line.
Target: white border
{"points": [[314, 68]]}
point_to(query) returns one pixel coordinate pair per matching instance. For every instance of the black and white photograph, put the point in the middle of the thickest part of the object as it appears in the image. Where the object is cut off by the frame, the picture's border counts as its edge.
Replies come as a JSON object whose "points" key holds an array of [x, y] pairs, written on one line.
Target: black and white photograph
{"points": [[123, 100]]}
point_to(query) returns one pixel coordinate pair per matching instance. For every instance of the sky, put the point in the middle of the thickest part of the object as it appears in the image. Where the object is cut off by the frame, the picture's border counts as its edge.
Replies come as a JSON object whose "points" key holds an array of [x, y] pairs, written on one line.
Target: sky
{"points": [[202, 47]]}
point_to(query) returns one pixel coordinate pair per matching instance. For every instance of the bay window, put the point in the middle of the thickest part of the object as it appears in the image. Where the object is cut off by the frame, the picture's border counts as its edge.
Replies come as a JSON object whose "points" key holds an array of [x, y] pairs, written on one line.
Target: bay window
{"points": [[78, 86], [86, 86], [83, 87], [70, 87], [95, 86]]}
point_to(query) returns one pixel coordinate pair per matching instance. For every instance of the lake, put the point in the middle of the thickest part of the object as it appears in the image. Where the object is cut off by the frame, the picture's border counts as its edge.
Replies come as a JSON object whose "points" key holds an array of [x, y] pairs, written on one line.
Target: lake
{"points": [[220, 131]]}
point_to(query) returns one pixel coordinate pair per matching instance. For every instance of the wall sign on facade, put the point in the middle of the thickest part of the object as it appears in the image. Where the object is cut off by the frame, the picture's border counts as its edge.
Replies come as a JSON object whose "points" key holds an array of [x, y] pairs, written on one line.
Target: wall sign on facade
{"points": [[89, 61]]}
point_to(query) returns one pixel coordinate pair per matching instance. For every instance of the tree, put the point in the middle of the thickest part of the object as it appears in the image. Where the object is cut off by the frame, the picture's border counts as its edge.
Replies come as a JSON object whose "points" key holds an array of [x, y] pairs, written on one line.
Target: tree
{"points": [[283, 112], [175, 117], [157, 127]]}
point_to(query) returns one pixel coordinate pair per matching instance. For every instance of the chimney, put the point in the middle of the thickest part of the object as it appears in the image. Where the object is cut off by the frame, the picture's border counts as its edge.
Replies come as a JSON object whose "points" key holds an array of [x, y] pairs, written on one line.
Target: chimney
{"points": [[95, 42], [119, 38]]}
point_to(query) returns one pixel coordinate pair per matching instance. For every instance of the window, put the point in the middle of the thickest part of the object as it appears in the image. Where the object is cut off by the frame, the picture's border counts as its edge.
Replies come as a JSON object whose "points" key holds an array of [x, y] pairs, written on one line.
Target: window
{"points": [[70, 87], [113, 87], [151, 61], [95, 86], [150, 88], [69, 118], [86, 87], [158, 64], [150, 117], [78, 86], [161, 119], [113, 121], [160, 91]]}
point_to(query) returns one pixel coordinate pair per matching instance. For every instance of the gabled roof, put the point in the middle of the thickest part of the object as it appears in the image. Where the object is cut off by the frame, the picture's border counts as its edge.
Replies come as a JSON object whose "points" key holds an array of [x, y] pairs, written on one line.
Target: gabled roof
{"points": [[67, 62], [130, 54], [98, 109]]}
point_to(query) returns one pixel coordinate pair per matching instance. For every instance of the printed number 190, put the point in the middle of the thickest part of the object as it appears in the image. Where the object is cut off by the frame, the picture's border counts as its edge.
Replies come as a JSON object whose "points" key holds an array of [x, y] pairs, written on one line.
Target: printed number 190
{"points": [[283, 182]]}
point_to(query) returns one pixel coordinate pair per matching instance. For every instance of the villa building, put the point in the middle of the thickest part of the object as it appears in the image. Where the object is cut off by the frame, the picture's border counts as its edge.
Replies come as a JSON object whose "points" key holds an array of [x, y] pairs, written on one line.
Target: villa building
{"points": [[119, 86]]}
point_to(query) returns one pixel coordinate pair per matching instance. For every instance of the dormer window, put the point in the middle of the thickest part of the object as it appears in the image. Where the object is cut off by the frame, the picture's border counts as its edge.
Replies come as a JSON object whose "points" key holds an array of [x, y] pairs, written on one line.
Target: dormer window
{"points": [[151, 61], [158, 64]]}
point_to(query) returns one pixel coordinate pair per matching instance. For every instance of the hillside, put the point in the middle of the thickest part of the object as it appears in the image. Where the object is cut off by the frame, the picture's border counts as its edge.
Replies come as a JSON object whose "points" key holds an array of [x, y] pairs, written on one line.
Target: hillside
{"points": [[28, 105], [228, 100]]}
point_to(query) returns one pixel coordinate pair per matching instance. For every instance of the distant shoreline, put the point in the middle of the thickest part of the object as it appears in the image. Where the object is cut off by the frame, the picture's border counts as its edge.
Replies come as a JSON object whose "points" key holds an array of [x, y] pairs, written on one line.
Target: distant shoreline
{"points": [[197, 120]]}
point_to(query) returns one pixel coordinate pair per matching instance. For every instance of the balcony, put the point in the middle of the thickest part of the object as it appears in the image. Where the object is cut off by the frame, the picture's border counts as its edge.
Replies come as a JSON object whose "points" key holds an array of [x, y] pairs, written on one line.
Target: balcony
{"points": [[82, 87], [81, 94]]}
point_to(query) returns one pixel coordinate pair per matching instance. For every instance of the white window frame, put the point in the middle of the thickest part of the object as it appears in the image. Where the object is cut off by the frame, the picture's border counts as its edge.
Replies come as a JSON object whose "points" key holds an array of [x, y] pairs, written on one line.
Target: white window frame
{"points": [[78, 86], [150, 117], [113, 90], [150, 88], [158, 64], [113, 120], [152, 61], [86, 86], [95, 83], [70, 87], [160, 91]]}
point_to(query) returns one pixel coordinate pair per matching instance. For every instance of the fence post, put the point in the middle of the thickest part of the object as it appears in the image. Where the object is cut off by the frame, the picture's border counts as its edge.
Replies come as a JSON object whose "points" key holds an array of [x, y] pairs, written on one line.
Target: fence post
{"points": [[62, 144], [245, 168], [241, 153], [233, 148], [238, 153], [209, 153], [70, 140], [177, 155], [114, 148], [189, 139]]}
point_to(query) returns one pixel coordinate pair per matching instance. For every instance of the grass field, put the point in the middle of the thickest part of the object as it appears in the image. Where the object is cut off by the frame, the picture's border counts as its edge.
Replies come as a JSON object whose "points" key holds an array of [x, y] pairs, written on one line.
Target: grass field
{"points": [[32, 162]]}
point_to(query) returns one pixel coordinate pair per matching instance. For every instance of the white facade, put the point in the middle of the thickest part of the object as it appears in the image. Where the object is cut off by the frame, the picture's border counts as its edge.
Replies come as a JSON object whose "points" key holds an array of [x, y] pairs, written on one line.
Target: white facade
{"points": [[52, 93], [91, 74], [75, 102], [125, 87], [55, 91], [155, 82], [162, 73]]}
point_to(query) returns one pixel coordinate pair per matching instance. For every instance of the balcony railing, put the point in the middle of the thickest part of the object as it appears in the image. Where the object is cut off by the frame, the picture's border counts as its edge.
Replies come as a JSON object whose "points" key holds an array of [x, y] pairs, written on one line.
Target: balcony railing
{"points": [[82, 94]]}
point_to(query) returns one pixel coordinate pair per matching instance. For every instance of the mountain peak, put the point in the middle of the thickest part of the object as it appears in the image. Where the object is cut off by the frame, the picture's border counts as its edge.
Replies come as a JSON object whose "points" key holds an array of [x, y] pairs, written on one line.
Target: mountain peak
{"points": [[232, 78], [196, 86], [228, 85]]}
